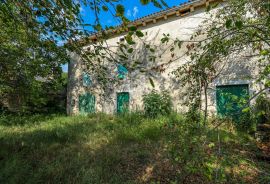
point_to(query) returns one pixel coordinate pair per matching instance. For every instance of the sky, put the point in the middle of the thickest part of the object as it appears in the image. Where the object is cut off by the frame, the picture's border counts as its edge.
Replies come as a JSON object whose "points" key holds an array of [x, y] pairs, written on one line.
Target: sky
{"points": [[133, 10]]}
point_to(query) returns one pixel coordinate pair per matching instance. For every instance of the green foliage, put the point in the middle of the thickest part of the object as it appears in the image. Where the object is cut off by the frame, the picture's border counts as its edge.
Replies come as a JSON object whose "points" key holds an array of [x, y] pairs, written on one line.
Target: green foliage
{"points": [[104, 148], [139, 34], [30, 64], [157, 104], [194, 114], [42, 16], [151, 82], [30, 55], [156, 3], [145, 2], [105, 8], [204, 154], [189, 151], [261, 109], [244, 122], [120, 10], [230, 30]]}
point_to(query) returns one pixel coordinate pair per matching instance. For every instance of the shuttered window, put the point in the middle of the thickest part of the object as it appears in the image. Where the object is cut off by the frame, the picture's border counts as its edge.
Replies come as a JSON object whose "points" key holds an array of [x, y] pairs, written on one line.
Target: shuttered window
{"points": [[86, 80], [121, 71]]}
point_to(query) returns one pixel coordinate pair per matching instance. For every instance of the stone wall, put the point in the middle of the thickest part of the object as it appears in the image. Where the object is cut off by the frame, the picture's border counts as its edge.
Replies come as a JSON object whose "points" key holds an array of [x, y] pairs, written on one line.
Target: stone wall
{"points": [[238, 69]]}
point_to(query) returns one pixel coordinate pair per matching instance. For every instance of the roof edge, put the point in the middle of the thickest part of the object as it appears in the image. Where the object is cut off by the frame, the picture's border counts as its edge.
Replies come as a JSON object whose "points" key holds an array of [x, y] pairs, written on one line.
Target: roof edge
{"points": [[181, 10]]}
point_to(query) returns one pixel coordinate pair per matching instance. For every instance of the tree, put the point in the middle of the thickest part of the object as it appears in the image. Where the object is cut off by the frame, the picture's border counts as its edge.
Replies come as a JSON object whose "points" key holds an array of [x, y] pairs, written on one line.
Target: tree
{"points": [[29, 66], [239, 26], [30, 55], [236, 28], [61, 20]]}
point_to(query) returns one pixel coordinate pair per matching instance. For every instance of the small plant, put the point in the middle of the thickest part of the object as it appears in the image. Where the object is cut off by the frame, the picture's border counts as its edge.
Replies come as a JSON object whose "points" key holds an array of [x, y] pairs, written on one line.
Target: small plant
{"points": [[157, 104]]}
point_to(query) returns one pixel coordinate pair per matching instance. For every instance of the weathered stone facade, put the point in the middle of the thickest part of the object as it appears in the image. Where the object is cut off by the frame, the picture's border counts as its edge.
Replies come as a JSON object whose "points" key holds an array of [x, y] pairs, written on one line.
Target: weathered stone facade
{"points": [[238, 69]]}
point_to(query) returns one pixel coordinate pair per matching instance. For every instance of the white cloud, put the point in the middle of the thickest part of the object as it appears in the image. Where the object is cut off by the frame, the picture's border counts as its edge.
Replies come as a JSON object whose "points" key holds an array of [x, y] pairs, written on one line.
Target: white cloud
{"points": [[135, 11], [129, 13], [82, 11], [61, 42]]}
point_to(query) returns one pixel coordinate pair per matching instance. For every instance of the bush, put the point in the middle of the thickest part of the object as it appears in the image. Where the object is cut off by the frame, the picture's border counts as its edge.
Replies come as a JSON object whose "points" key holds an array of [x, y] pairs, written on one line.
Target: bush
{"points": [[157, 104], [262, 109]]}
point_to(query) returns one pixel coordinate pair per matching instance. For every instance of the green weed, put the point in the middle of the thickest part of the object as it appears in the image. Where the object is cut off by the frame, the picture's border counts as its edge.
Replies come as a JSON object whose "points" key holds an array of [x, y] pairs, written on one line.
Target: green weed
{"points": [[123, 149]]}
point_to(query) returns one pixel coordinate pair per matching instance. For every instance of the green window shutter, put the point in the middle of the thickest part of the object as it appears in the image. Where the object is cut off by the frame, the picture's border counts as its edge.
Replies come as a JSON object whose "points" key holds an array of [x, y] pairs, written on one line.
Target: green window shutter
{"points": [[122, 102], [86, 79], [231, 100], [122, 71], [87, 103]]}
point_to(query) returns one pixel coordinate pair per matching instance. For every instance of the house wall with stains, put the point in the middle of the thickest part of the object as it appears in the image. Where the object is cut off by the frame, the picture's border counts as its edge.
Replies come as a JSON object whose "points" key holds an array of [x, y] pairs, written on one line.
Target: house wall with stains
{"points": [[238, 69]]}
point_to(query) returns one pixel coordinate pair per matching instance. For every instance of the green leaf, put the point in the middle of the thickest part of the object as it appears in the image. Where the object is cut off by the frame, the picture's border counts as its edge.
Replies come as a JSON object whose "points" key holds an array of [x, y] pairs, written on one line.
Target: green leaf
{"points": [[164, 3], [145, 2], [130, 50], [120, 10], [123, 57], [208, 8], [132, 28], [105, 8], [211, 145], [97, 27], [239, 24], [151, 82], [228, 23], [164, 39], [180, 44], [267, 83], [264, 52], [129, 40], [139, 34], [156, 3], [46, 23], [245, 110]]}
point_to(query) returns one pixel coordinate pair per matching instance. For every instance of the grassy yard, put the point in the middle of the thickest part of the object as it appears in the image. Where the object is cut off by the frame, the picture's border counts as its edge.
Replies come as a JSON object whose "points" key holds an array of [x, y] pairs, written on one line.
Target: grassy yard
{"points": [[127, 149]]}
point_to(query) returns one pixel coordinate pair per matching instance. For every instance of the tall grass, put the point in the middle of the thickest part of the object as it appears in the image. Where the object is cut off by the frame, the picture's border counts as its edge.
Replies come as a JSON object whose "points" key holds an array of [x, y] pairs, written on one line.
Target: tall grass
{"points": [[126, 148]]}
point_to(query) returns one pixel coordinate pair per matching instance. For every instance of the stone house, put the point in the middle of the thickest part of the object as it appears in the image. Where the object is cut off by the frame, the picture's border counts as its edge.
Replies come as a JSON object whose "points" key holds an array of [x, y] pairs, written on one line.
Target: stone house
{"points": [[86, 96]]}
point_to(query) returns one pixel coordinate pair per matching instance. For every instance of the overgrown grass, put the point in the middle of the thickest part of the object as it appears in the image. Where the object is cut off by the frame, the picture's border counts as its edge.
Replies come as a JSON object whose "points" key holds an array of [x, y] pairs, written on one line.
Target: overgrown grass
{"points": [[124, 149]]}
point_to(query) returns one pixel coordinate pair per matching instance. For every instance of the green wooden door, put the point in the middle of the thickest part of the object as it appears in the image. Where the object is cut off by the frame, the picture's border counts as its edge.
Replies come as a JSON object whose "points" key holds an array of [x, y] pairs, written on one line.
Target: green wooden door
{"points": [[87, 103], [122, 102], [231, 100]]}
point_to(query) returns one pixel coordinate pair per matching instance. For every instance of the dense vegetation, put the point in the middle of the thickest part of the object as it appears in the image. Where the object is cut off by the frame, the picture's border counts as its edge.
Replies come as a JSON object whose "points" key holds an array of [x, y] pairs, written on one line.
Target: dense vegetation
{"points": [[31, 77], [35, 37], [157, 145], [125, 149], [239, 28], [157, 103]]}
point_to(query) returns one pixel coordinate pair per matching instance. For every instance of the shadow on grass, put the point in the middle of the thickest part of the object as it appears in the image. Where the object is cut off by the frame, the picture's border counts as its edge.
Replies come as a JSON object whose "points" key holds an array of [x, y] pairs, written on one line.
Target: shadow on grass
{"points": [[13, 119], [100, 149]]}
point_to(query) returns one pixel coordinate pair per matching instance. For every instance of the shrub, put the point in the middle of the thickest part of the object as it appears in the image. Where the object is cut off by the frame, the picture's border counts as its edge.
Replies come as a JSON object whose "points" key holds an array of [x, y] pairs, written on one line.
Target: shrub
{"points": [[262, 109], [157, 104], [252, 116], [188, 151]]}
